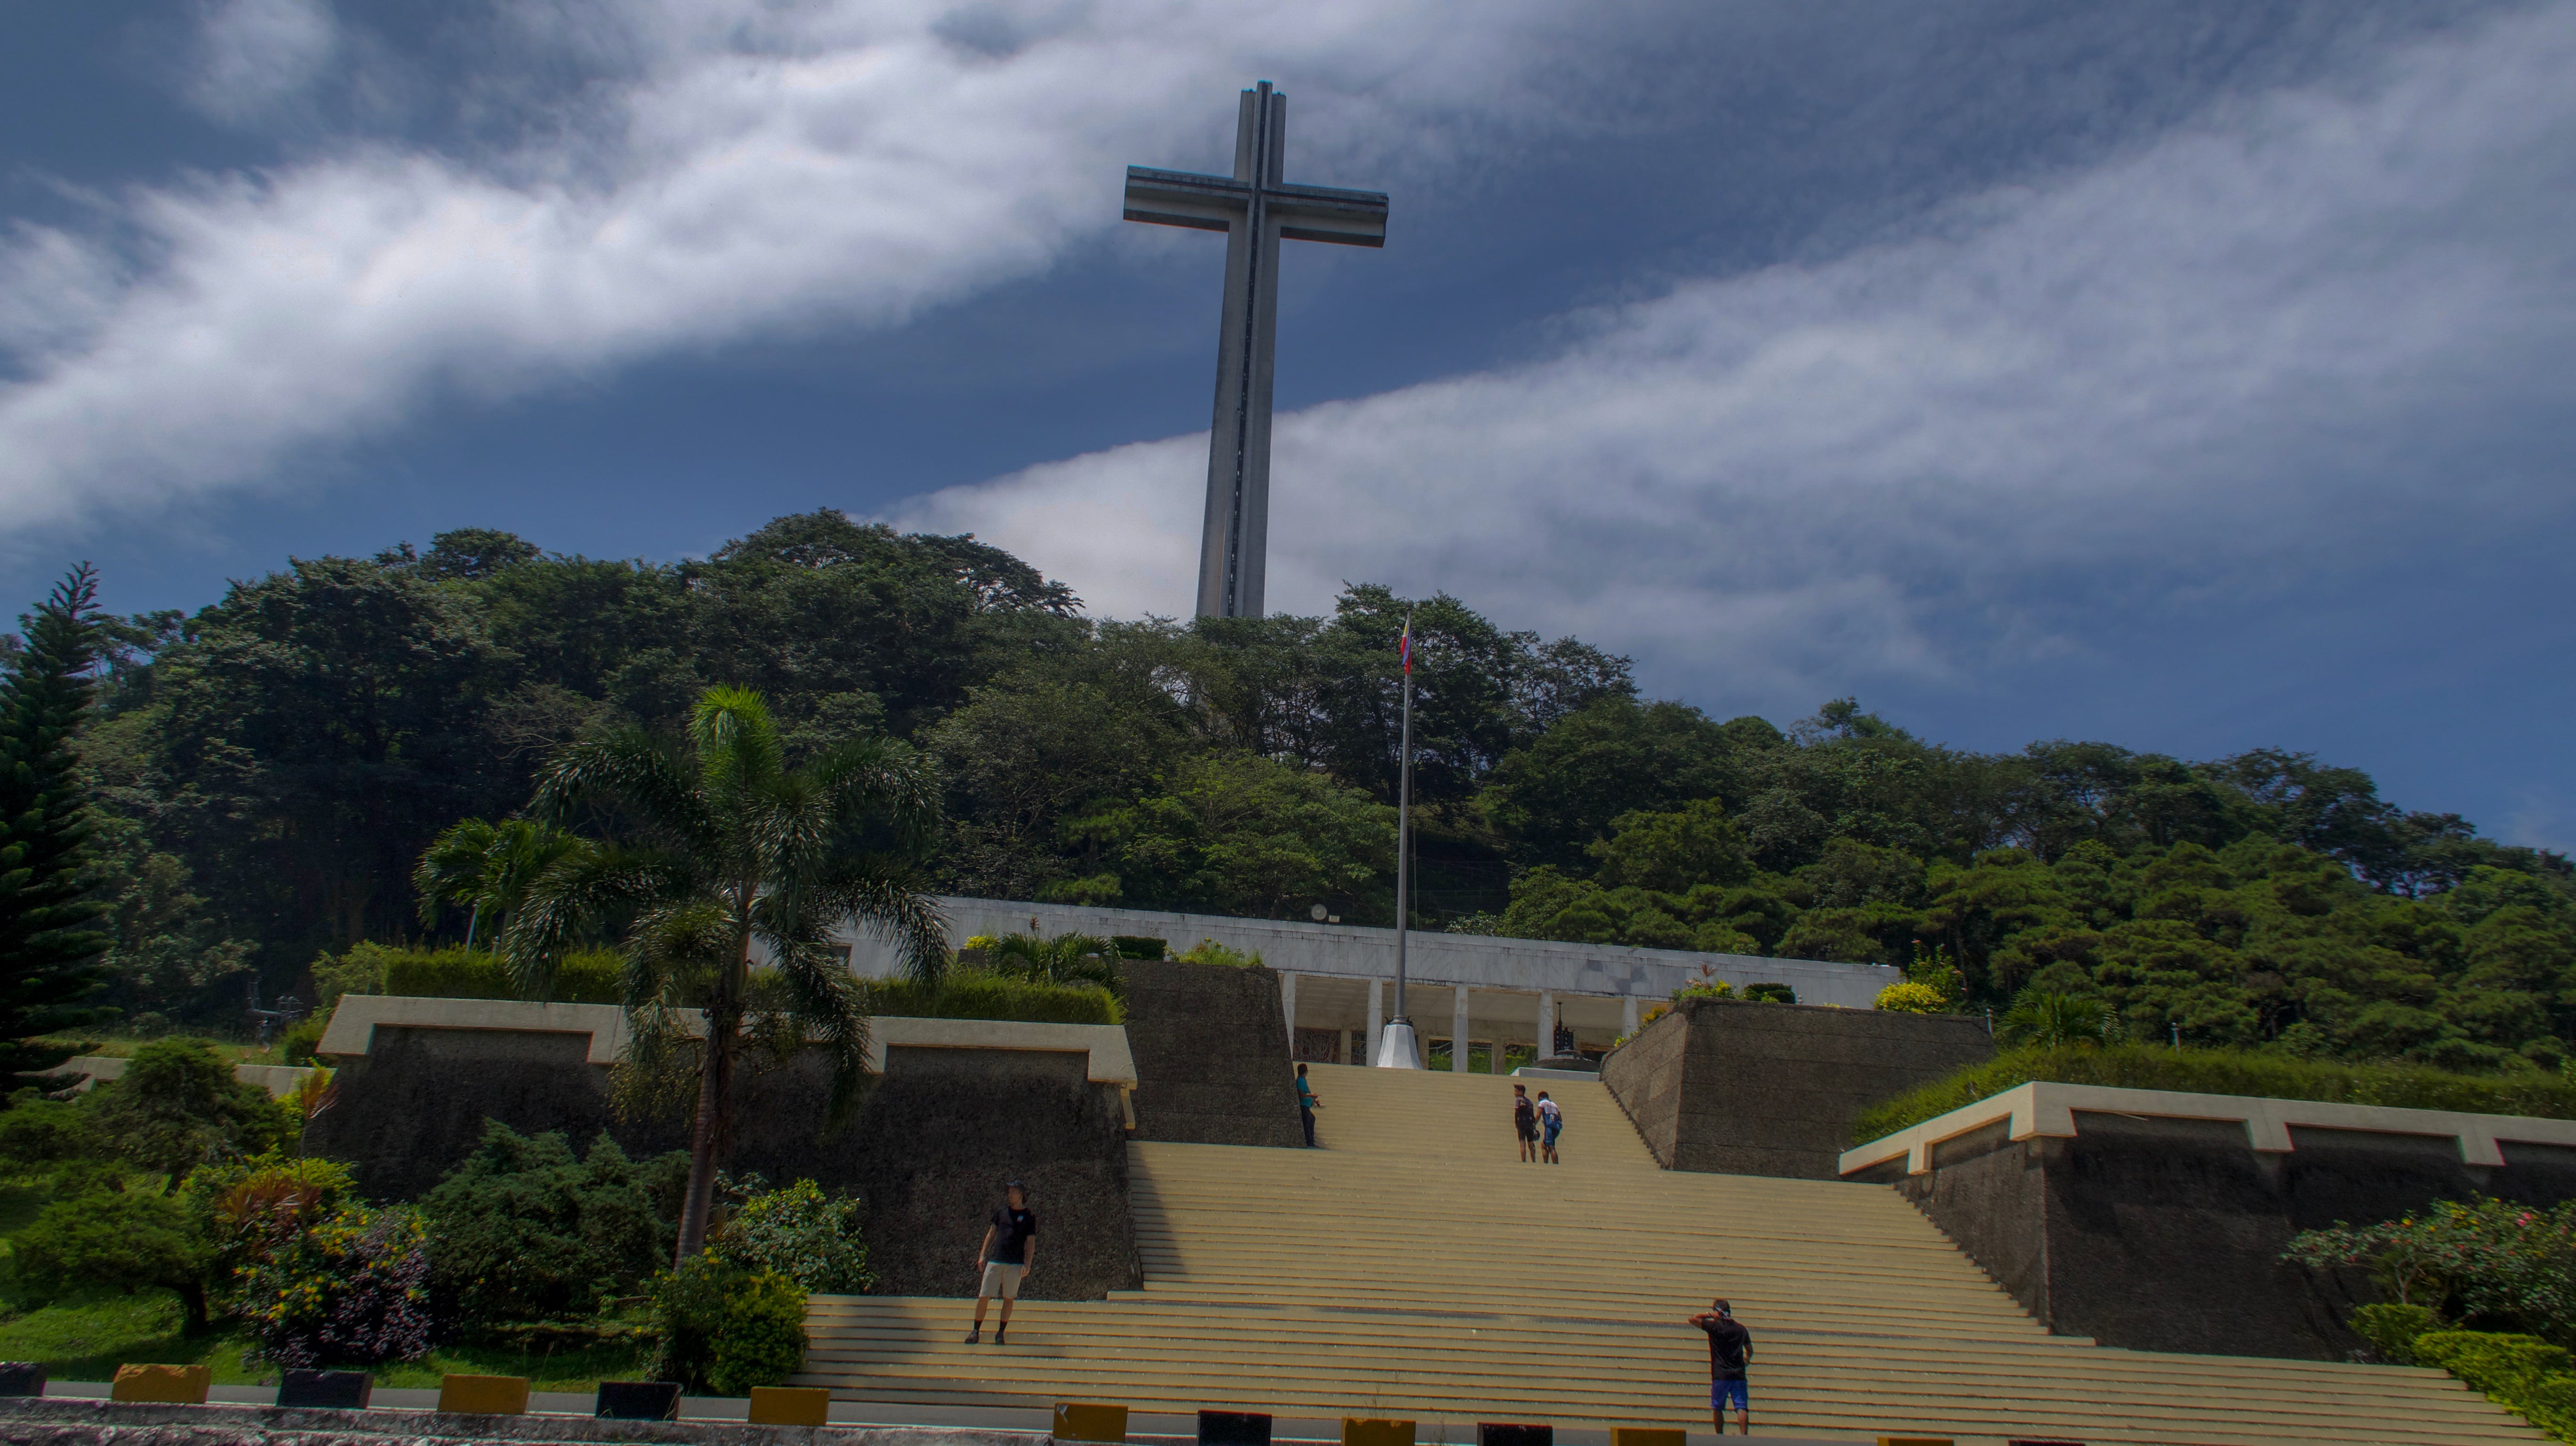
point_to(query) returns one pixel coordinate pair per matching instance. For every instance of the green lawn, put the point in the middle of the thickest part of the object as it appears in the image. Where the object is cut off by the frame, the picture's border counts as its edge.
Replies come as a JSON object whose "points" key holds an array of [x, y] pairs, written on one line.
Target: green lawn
{"points": [[86, 1339], [120, 1047]]}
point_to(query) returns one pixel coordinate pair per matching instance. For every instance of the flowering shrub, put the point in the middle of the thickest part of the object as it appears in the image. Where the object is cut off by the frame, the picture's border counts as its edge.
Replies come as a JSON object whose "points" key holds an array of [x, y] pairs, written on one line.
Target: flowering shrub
{"points": [[353, 1289], [801, 1234], [726, 1328], [2485, 1260], [1908, 997]]}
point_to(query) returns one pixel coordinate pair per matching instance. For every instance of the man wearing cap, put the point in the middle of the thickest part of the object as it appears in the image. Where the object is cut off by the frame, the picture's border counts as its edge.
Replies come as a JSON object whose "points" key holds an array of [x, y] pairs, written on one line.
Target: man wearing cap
{"points": [[1010, 1247], [1730, 1352]]}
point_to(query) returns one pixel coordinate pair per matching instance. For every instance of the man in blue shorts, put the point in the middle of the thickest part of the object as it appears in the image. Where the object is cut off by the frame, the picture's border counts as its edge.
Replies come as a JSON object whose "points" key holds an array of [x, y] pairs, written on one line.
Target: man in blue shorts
{"points": [[1730, 1351]]}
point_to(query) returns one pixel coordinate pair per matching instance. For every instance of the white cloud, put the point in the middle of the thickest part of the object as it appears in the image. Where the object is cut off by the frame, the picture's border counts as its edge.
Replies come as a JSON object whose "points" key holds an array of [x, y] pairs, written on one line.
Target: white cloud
{"points": [[756, 169], [253, 55], [2305, 334]]}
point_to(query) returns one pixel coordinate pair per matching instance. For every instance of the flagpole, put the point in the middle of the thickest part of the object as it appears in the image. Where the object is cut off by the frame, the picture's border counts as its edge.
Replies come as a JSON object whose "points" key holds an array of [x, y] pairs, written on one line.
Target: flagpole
{"points": [[1396, 1050]]}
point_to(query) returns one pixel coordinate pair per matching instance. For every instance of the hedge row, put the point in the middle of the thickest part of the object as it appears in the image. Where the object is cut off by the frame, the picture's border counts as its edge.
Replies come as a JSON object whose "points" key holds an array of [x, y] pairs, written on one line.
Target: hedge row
{"points": [[2225, 1072]]}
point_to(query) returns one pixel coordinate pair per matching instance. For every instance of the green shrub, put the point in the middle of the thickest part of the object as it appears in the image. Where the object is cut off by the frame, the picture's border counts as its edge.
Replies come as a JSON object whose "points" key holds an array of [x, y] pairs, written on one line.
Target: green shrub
{"points": [[1209, 951], [352, 1290], [103, 1237], [1907, 997], [2520, 1373], [799, 1233], [2226, 1072], [297, 1044], [1138, 946], [1770, 993], [590, 976], [527, 1232], [2392, 1329], [982, 994], [38, 1131], [726, 1328], [177, 1106]]}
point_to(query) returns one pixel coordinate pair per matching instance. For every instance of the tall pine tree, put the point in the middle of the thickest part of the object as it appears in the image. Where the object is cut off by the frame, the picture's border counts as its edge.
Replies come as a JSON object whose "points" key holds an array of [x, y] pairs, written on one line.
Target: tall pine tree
{"points": [[49, 954]]}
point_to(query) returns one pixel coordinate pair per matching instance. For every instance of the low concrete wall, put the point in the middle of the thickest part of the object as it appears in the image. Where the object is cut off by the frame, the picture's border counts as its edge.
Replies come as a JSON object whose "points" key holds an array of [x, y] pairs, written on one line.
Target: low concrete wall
{"points": [[943, 1127], [1482, 961], [1211, 1050], [55, 1421], [280, 1080], [2154, 1226], [1738, 1088]]}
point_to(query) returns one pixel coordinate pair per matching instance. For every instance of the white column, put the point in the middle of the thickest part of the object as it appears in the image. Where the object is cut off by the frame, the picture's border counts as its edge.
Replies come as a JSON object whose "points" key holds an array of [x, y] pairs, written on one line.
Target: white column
{"points": [[1458, 1031], [1546, 1024], [1377, 1022], [1628, 1015], [1288, 1006]]}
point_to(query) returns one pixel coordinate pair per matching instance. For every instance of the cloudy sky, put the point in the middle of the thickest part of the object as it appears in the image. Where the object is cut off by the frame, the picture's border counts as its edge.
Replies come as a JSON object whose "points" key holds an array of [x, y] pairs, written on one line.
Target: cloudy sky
{"points": [[2194, 375]]}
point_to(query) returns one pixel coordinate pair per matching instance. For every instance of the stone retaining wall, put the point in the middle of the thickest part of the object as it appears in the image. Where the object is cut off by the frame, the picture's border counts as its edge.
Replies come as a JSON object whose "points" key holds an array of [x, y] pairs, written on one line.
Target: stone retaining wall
{"points": [[2153, 1222], [940, 1131], [1738, 1088], [1211, 1050]]}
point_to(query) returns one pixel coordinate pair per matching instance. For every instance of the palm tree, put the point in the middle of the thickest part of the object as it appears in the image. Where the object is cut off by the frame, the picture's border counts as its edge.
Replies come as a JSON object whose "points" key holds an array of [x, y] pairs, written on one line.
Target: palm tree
{"points": [[2045, 1017], [726, 855], [1064, 959], [488, 867]]}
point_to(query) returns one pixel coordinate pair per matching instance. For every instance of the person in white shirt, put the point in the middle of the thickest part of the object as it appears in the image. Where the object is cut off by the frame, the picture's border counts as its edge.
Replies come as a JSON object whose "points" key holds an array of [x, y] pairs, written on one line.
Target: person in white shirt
{"points": [[1551, 1119]]}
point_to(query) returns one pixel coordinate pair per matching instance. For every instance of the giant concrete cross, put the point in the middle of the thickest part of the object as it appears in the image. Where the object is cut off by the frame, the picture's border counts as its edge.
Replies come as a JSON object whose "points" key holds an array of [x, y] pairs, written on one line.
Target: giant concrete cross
{"points": [[1254, 208]]}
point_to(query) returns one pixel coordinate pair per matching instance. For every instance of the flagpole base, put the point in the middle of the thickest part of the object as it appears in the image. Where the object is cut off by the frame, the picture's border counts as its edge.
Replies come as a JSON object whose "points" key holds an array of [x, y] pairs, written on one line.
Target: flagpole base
{"points": [[1395, 1049]]}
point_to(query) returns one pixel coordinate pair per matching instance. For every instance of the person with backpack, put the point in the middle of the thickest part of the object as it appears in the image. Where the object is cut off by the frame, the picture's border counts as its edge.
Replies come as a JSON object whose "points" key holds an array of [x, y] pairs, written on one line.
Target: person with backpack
{"points": [[1730, 1355], [1525, 1123], [1307, 1104], [1551, 1118]]}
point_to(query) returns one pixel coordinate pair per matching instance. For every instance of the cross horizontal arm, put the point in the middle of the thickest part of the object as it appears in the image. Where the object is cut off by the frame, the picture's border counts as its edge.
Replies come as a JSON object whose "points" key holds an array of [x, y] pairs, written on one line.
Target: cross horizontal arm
{"points": [[1185, 198], [1211, 203]]}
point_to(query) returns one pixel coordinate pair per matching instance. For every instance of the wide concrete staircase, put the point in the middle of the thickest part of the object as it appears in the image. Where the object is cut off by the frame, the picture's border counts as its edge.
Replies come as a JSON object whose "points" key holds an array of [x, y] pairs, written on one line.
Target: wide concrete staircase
{"points": [[1414, 1267]]}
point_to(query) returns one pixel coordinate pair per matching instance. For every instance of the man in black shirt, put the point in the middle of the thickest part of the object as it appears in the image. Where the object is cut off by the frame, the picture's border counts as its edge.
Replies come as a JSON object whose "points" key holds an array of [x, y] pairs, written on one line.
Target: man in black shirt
{"points": [[1730, 1351], [1010, 1247]]}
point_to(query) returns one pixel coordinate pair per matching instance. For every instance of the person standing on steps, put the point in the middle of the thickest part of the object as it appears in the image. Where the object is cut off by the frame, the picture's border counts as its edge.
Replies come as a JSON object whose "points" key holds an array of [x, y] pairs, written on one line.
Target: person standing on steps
{"points": [[1730, 1355], [1525, 1122], [1010, 1247], [1306, 1106], [1551, 1119]]}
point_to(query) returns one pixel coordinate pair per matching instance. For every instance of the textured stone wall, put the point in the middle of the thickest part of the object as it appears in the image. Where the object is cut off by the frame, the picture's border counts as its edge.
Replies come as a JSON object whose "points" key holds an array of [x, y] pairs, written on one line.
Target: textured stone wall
{"points": [[928, 1150], [2166, 1234], [1738, 1088], [1211, 1049]]}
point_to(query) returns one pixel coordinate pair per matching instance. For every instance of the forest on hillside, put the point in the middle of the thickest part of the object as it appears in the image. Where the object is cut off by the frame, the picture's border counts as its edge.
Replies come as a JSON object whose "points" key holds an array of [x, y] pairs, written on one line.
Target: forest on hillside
{"points": [[268, 770]]}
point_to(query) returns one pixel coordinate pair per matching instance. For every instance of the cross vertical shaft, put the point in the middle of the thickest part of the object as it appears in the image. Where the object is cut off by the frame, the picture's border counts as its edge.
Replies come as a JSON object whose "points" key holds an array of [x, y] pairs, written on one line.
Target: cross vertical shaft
{"points": [[1256, 209]]}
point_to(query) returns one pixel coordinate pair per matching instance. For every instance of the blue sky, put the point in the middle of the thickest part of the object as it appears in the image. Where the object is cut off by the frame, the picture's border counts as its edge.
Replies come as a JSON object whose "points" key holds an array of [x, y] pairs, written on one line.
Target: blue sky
{"points": [[2195, 376]]}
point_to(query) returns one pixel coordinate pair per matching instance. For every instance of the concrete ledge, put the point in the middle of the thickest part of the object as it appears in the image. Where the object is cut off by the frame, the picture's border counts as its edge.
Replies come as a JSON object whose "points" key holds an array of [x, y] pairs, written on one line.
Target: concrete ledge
{"points": [[280, 1080], [2042, 1109], [57, 1421], [354, 1022]]}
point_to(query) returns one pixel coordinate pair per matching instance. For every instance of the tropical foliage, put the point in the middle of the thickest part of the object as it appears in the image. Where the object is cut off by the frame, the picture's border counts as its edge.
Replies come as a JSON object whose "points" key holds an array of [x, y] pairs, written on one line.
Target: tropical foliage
{"points": [[274, 768], [721, 847], [49, 945], [2493, 1264]]}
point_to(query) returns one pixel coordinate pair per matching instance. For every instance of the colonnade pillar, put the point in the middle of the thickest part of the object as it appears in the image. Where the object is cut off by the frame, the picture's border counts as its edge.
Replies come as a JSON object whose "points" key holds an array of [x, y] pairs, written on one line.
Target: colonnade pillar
{"points": [[1458, 1030]]}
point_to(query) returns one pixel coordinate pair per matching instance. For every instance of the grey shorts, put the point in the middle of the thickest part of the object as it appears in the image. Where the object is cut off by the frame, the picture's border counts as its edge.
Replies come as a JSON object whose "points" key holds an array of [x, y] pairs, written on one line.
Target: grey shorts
{"points": [[1002, 1280]]}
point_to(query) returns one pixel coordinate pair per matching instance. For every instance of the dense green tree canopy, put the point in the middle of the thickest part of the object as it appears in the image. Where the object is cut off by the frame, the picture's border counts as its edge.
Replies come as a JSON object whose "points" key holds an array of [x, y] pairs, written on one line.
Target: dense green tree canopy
{"points": [[272, 770]]}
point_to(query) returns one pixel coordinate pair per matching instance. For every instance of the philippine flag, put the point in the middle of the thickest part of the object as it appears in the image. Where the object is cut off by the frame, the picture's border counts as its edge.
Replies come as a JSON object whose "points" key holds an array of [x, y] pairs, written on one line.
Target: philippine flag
{"points": [[1404, 645]]}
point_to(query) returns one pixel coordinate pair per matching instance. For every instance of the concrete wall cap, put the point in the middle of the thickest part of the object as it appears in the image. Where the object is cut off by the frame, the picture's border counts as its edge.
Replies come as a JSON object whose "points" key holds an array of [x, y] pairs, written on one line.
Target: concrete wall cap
{"points": [[280, 1080], [2045, 1109], [352, 1031]]}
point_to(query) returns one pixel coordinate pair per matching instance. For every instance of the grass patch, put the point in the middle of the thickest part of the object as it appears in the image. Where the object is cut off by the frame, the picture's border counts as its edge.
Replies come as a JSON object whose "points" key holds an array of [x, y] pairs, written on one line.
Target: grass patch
{"points": [[981, 994], [124, 1046], [2225, 1072], [87, 1338]]}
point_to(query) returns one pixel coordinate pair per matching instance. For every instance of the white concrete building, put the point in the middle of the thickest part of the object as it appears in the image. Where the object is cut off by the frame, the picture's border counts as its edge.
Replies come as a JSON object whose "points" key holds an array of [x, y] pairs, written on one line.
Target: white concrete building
{"points": [[1338, 983]]}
